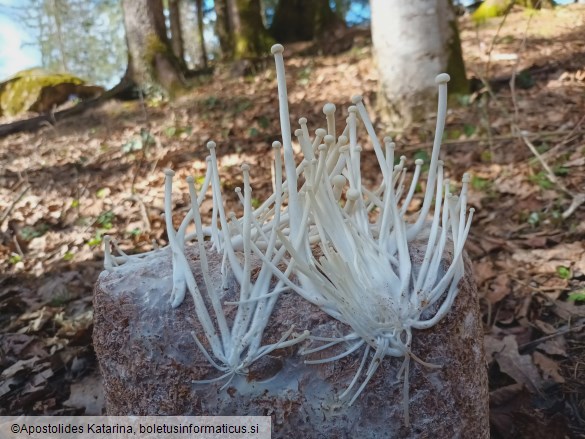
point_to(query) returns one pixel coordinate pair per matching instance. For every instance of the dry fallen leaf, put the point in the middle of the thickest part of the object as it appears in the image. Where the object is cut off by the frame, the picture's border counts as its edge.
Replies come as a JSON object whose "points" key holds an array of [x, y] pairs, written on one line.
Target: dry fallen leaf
{"points": [[567, 310], [19, 366], [545, 327], [499, 288], [502, 403], [515, 184], [484, 270], [519, 367], [37, 319], [555, 346], [89, 394], [548, 260], [549, 367]]}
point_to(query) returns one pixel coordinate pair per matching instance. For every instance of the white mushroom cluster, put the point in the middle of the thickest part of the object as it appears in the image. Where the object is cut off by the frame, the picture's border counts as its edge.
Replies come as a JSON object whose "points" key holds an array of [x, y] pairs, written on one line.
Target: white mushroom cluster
{"points": [[364, 277]]}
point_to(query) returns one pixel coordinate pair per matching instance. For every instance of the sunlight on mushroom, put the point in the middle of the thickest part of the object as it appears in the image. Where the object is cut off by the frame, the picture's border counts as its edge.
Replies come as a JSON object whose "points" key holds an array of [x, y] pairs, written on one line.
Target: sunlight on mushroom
{"points": [[346, 247]]}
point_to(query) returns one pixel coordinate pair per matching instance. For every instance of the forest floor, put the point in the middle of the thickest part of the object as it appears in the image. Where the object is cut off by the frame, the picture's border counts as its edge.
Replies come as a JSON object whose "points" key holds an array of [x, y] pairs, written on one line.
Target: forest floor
{"points": [[65, 186]]}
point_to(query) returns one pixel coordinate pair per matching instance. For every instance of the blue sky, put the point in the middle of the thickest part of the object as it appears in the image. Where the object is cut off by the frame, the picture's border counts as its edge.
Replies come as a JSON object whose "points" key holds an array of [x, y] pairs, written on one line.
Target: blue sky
{"points": [[14, 54]]}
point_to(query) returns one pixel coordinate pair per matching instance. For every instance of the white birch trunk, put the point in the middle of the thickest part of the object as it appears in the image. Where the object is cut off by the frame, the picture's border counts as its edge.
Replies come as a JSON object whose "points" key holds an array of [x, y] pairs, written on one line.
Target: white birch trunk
{"points": [[412, 44]]}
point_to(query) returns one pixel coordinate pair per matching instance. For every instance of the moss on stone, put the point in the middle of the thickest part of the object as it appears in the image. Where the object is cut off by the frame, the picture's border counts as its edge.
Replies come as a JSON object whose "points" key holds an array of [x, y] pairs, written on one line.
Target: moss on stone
{"points": [[497, 8], [38, 90]]}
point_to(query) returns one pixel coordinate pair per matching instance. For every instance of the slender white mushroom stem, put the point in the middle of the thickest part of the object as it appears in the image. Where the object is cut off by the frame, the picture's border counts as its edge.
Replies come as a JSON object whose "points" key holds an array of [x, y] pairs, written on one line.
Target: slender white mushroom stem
{"points": [[183, 277], [329, 111], [303, 124], [441, 80], [357, 100], [108, 259], [418, 165], [289, 161], [217, 202], [219, 313], [179, 282], [364, 277]]}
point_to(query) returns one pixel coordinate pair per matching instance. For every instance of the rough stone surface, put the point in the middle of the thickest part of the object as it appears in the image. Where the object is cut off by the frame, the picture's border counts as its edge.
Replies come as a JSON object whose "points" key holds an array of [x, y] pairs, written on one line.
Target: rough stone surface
{"points": [[149, 361]]}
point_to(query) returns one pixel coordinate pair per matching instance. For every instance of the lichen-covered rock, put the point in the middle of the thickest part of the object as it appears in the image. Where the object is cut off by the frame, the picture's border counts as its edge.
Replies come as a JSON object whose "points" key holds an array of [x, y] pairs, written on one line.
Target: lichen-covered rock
{"points": [[150, 364], [39, 91]]}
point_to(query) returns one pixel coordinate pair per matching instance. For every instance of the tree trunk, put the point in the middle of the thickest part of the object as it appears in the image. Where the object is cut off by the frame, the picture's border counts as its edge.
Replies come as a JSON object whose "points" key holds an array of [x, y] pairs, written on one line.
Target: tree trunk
{"points": [[223, 29], [191, 20], [240, 29], [56, 10], [413, 42], [251, 37], [303, 20], [201, 36], [176, 30], [150, 58]]}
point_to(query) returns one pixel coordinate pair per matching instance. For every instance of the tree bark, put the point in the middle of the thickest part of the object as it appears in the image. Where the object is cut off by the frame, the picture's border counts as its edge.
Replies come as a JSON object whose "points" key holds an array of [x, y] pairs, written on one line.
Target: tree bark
{"points": [[303, 20], [176, 30], [201, 36], [413, 42], [223, 28], [240, 29], [150, 57], [251, 37]]}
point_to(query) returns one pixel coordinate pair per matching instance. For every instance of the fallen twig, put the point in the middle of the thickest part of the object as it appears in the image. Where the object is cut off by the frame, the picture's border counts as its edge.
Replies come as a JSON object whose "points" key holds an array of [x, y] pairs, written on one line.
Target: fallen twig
{"points": [[503, 137], [567, 138], [577, 199], [6, 214], [564, 330], [142, 208]]}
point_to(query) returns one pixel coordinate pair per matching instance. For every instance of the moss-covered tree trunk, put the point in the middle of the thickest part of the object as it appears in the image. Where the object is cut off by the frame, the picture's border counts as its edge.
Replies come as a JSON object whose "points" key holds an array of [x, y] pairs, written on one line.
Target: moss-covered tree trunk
{"points": [[240, 29], [413, 42], [303, 20], [151, 61], [251, 37]]}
